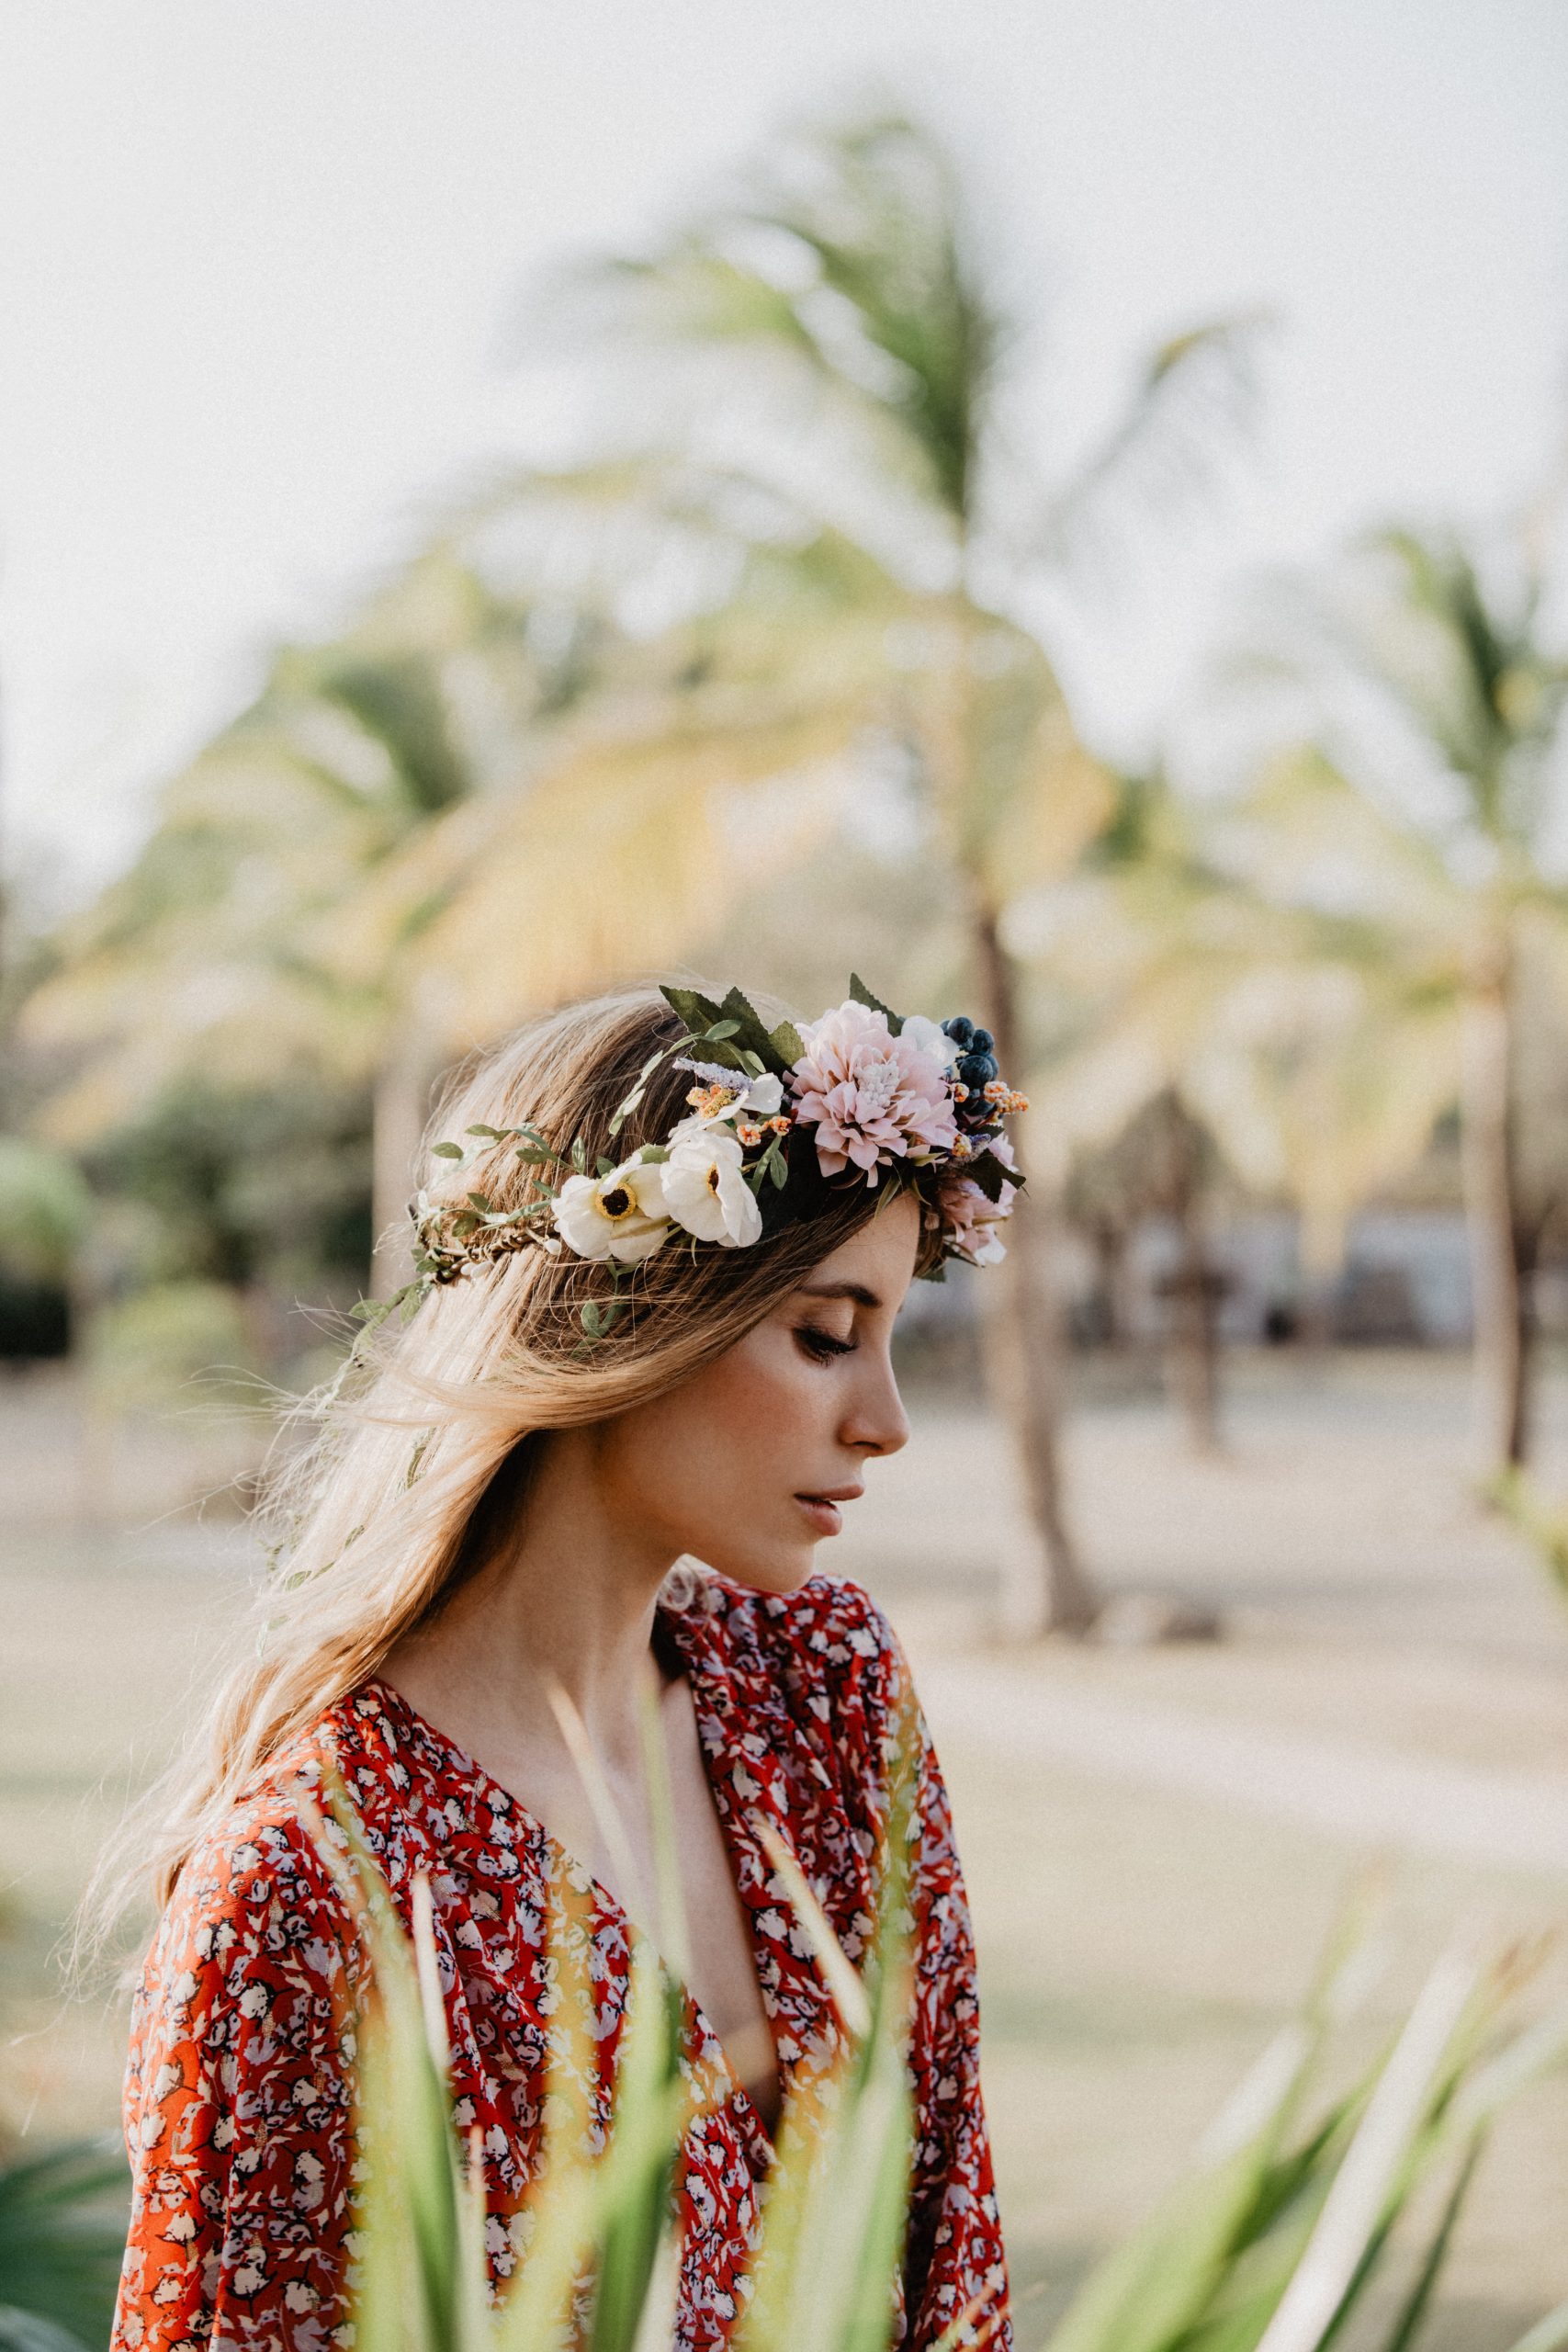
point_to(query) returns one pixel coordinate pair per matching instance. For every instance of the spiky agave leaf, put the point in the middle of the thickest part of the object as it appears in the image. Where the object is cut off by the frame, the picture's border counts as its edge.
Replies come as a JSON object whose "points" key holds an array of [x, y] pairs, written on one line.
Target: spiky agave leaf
{"points": [[61, 2236], [415, 2287], [837, 2203], [1549, 2334]]}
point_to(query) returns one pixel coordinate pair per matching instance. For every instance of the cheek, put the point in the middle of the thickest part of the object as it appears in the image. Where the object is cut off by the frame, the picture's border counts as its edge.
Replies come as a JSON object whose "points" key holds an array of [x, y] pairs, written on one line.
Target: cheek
{"points": [[738, 1436]]}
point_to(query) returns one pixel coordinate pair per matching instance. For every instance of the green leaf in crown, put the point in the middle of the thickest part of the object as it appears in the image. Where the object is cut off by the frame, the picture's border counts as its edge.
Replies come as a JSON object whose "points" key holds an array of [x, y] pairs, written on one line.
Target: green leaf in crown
{"points": [[863, 995], [987, 1170], [746, 1034]]}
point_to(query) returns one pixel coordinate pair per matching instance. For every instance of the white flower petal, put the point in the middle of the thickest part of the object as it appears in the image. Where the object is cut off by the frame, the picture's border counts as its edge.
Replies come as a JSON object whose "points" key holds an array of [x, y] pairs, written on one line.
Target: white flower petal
{"points": [[593, 1229], [631, 1249], [705, 1192], [929, 1037]]}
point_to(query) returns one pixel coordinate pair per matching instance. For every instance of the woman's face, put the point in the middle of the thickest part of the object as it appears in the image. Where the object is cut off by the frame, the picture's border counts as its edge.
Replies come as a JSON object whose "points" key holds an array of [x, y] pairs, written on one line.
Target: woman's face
{"points": [[749, 1464]]}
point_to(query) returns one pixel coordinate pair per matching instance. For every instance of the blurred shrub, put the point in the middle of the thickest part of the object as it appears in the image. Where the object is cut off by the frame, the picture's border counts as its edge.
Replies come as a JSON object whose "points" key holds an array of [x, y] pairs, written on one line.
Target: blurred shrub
{"points": [[268, 1186], [145, 1348], [45, 1211]]}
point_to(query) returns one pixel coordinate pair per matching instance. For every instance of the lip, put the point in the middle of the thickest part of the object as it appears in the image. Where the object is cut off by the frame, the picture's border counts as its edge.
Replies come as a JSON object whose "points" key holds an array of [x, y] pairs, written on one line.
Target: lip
{"points": [[823, 1510]]}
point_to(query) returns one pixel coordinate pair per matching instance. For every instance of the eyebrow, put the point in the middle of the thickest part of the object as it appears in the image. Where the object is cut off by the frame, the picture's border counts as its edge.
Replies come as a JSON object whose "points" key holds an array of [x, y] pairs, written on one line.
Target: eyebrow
{"points": [[857, 1291]]}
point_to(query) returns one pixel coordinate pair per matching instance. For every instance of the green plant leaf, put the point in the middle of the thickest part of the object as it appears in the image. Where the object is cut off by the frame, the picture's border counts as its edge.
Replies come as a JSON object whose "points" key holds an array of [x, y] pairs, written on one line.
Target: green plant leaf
{"points": [[1548, 2334], [863, 995], [698, 1011], [30, 2332], [447, 1150], [1416, 2303], [752, 1036]]}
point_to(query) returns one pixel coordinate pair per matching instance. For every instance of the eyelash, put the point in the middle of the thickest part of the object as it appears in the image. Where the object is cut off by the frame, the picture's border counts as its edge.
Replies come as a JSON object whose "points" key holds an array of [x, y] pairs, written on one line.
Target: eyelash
{"points": [[822, 1346]]}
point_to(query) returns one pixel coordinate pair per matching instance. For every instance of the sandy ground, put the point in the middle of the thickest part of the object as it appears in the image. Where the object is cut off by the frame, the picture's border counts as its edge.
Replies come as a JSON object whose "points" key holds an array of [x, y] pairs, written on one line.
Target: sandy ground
{"points": [[1156, 1841]]}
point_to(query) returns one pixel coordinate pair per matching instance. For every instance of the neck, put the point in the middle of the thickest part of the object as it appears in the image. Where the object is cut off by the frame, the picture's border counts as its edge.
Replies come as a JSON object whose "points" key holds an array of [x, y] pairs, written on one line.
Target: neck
{"points": [[565, 1599]]}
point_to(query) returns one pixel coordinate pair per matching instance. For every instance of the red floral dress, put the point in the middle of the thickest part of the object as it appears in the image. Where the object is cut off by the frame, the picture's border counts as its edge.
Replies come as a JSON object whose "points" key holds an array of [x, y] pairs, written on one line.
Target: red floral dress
{"points": [[238, 2095]]}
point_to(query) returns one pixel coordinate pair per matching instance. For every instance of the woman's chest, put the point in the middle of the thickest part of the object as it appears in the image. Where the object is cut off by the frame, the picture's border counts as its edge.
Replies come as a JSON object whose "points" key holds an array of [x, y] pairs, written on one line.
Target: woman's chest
{"points": [[530, 1938]]}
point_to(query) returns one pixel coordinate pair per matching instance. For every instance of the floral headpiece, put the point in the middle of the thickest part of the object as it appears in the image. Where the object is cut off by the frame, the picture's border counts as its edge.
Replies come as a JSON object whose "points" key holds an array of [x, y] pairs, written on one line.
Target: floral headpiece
{"points": [[781, 1120]]}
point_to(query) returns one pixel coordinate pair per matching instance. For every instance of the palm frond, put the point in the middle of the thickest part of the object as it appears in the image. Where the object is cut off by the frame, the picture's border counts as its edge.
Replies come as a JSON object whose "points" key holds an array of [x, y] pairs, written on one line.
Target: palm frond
{"points": [[1190, 396]]}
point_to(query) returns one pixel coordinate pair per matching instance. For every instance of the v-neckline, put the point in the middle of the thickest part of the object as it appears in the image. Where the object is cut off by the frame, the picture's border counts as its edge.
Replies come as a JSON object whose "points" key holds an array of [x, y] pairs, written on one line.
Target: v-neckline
{"points": [[729, 1818]]}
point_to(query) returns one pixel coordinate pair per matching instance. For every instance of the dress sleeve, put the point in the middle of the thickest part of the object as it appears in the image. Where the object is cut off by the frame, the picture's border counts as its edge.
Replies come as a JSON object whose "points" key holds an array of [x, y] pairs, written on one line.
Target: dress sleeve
{"points": [[953, 2259], [238, 2105]]}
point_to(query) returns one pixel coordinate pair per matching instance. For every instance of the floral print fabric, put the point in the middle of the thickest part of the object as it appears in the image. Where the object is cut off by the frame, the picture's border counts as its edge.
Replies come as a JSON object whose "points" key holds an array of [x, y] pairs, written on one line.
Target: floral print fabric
{"points": [[238, 2102]]}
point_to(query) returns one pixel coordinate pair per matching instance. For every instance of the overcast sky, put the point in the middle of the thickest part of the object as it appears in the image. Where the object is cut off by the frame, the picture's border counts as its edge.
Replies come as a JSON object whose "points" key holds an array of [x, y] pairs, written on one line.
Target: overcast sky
{"points": [[257, 256]]}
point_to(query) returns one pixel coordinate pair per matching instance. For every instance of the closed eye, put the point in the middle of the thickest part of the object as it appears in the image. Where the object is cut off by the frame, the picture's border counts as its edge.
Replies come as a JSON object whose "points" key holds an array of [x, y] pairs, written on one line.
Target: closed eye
{"points": [[822, 1346]]}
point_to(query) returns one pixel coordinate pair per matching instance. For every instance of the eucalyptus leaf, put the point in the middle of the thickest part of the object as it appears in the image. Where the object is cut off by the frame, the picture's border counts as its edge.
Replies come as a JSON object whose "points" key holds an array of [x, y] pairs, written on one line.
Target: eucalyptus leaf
{"points": [[446, 1150]]}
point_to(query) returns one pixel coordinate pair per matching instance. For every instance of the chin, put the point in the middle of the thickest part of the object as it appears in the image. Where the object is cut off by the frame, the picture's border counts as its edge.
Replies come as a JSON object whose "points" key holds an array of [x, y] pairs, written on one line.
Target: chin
{"points": [[782, 1568]]}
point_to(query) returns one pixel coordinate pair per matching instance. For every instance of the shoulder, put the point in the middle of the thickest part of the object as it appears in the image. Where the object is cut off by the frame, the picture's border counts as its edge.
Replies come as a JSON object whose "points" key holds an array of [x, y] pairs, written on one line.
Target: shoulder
{"points": [[257, 1904], [827, 1647]]}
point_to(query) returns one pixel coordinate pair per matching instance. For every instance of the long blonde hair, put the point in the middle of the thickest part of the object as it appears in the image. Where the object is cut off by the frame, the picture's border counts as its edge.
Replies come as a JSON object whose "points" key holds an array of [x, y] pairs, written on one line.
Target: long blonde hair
{"points": [[411, 1474]]}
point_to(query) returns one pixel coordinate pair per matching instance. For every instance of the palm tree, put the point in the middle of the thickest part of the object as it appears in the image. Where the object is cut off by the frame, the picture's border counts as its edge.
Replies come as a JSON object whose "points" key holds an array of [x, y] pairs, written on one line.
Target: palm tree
{"points": [[216, 950], [853, 368], [1427, 824], [418, 832]]}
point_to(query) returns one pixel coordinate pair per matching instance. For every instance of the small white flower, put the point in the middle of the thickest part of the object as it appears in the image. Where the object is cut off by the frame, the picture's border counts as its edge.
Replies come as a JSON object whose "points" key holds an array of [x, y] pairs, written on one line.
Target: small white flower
{"points": [[763, 1096], [929, 1037], [622, 1216], [704, 1188], [754, 1098]]}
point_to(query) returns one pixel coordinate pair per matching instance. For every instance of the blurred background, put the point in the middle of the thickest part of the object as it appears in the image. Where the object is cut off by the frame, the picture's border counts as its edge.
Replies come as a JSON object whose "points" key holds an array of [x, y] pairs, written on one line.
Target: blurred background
{"points": [[1060, 509]]}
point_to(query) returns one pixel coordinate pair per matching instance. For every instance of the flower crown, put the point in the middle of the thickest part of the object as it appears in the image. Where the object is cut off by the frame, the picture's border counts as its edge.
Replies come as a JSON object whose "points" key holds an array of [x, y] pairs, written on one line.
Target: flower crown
{"points": [[780, 1121]]}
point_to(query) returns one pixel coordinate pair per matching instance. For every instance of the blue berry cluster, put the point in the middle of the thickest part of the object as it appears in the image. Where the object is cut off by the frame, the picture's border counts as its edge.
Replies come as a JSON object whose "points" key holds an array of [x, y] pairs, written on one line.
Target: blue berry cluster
{"points": [[975, 1066]]}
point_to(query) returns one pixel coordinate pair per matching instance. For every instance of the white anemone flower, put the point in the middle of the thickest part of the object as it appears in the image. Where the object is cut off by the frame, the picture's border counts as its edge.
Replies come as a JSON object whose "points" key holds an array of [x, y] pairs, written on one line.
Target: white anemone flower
{"points": [[704, 1190], [622, 1216], [929, 1037]]}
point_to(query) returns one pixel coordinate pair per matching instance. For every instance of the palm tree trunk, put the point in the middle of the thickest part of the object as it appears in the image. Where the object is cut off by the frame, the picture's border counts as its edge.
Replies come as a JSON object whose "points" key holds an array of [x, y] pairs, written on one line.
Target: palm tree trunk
{"points": [[1192, 1294], [1502, 1355], [1044, 1590], [1194, 1287]]}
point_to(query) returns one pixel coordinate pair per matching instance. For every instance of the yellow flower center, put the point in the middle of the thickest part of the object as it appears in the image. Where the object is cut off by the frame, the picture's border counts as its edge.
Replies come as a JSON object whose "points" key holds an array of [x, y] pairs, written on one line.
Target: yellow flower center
{"points": [[617, 1202]]}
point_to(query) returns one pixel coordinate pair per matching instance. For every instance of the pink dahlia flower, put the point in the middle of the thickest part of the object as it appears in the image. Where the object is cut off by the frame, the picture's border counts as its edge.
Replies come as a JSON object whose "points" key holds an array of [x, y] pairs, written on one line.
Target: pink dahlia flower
{"points": [[873, 1098], [970, 1220]]}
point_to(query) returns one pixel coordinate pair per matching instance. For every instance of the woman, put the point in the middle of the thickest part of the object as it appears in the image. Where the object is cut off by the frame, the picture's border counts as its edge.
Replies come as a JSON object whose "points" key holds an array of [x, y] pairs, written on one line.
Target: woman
{"points": [[656, 1285]]}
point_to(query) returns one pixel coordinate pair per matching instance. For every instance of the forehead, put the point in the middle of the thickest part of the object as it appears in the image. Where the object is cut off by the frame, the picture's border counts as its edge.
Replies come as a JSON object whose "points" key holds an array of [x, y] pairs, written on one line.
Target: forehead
{"points": [[880, 1257]]}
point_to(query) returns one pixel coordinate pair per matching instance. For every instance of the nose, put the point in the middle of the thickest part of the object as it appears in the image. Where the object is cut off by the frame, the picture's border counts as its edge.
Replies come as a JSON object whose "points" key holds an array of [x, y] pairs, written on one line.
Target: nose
{"points": [[877, 1422]]}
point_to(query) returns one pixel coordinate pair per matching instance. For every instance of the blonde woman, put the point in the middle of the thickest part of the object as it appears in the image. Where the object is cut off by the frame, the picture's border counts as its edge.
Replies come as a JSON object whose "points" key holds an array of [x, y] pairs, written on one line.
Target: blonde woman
{"points": [[658, 1271]]}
